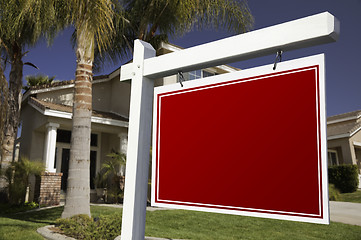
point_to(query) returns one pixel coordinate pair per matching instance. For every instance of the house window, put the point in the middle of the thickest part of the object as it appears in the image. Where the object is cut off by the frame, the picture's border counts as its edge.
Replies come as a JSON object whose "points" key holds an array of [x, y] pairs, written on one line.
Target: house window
{"points": [[332, 157], [94, 140], [64, 136], [197, 74]]}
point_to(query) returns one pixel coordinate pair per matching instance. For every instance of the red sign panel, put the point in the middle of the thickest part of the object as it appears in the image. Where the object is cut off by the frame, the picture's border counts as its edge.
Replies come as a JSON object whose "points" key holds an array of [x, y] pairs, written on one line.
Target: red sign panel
{"points": [[250, 143]]}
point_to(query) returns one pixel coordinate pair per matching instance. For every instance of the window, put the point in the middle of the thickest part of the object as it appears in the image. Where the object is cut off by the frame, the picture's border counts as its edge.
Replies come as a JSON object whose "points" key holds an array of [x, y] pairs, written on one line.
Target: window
{"points": [[196, 75], [332, 157], [94, 140], [64, 136]]}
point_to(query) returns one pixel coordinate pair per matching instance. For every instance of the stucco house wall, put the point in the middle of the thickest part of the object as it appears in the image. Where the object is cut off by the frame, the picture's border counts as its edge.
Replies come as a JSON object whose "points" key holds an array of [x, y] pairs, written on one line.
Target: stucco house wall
{"points": [[344, 137], [47, 118]]}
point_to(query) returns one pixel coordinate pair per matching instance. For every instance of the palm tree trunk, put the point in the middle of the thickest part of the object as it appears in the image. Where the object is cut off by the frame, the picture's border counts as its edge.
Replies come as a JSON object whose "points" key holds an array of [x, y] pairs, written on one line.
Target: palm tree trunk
{"points": [[78, 191], [14, 104]]}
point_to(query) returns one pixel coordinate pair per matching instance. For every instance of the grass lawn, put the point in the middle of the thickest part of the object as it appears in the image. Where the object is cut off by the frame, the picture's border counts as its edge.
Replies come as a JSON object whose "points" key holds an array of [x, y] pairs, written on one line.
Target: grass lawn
{"points": [[24, 225], [351, 197], [188, 225]]}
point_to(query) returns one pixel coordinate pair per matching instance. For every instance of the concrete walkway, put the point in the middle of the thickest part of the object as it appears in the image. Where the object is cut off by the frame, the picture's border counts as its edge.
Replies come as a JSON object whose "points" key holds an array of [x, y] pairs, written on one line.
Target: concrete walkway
{"points": [[345, 212]]}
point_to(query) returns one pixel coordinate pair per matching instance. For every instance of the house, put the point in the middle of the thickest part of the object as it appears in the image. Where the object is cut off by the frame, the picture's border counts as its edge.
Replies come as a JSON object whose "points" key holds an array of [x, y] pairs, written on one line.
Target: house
{"points": [[46, 118], [344, 139]]}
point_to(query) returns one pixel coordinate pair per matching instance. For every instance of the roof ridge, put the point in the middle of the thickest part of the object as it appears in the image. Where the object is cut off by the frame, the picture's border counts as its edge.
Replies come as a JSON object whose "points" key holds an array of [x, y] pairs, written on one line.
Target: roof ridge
{"points": [[352, 113], [53, 84]]}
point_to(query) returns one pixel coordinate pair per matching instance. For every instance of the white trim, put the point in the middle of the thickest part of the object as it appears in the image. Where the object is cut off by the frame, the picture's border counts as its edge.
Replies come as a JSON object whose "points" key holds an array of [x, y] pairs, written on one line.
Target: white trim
{"points": [[59, 114], [357, 144], [345, 135], [114, 74], [343, 119], [67, 115], [227, 68], [108, 121]]}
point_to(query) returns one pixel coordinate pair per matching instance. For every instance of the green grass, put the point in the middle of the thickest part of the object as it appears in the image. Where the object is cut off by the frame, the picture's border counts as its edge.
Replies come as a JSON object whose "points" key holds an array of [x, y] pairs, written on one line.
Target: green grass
{"points": [[199, 225], [24, 225], [351, 197], [188, 225]]}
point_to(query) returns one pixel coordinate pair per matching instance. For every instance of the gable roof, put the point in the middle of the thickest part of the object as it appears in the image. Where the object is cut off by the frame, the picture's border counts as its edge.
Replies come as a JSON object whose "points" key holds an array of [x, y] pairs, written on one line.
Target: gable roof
{"points": [[63, 111], [344, 117], [343, 125]]}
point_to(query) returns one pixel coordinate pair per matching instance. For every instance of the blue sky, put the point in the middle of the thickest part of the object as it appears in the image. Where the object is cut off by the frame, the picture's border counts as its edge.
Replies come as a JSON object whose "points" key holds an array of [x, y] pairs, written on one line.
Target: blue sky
{"points": [[343, 58]]}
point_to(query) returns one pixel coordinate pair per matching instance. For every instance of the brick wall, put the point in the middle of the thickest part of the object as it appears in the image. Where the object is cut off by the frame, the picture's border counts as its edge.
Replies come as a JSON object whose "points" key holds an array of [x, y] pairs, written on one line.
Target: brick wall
{"points": [[48, 193]]}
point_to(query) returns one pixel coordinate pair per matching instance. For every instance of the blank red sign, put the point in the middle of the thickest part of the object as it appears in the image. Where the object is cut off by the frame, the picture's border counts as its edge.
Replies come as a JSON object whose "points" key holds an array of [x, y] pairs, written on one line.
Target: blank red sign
{"points": [[249, 143]]}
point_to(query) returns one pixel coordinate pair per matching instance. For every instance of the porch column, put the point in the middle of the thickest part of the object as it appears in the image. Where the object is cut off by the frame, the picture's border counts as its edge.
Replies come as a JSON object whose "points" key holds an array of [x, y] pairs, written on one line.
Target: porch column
{"points": [[123, 148], [49, 147]]}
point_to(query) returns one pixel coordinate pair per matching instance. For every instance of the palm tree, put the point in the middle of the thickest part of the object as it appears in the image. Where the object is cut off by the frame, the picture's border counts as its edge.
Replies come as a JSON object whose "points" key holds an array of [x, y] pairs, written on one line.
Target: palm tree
{"points": [[22, 24], [93, 23], [155, 21], [100, 23], [3, 105], [37, 80]]}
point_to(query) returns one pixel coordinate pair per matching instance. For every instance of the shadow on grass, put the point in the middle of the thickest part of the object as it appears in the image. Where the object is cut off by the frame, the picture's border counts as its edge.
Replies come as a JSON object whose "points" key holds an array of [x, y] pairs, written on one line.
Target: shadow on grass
{"points": [[46, 216]]}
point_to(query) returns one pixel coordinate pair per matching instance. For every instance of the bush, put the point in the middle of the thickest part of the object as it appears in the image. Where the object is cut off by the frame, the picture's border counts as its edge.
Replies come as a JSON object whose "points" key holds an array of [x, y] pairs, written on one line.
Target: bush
{"points": [[333, 193], [17, 178], [83, 227], [344, 177]]}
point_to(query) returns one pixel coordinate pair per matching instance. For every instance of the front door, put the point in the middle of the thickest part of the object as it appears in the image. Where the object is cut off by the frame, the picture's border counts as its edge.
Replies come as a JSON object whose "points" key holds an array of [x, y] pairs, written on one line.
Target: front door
{"points": [[65, 156]]}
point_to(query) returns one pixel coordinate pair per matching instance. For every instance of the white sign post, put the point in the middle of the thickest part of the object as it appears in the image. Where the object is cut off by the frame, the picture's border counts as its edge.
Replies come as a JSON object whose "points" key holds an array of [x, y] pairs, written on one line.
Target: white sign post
{"points": [[309, 31]]}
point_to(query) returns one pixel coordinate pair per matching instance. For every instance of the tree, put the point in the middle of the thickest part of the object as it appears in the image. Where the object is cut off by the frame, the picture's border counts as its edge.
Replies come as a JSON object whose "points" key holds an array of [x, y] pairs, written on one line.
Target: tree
{"points": [[37, 80], [100, 24], [22, 24], [3, 106], [93, 23], [154, 21]]}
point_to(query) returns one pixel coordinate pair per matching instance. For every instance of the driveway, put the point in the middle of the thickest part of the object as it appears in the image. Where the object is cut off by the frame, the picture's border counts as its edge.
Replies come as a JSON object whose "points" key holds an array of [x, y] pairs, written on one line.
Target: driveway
{"points": [[345, 212]]}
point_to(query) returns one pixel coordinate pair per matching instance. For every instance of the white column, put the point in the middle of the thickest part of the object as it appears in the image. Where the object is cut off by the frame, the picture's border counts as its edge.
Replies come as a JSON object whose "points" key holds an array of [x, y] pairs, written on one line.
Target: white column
{"points": [[49, 147], [123, 148], [139, 138]]}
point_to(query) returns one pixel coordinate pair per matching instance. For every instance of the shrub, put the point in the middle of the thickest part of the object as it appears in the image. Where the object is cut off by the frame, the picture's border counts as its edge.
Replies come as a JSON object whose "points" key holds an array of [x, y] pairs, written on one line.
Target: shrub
{"points": [[333, 193], [344, 177], [17, 178], [83, 227]]}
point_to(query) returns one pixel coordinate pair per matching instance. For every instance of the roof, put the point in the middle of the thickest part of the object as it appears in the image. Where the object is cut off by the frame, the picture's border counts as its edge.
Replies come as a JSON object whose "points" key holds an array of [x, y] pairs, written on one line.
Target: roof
{"points": [[343, 125], [344, 116], [43, 105]]}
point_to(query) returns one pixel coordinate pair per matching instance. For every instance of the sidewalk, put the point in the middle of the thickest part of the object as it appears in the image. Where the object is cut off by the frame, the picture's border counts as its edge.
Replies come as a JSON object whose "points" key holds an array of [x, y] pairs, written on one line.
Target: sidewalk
{"points": [[345, 212]]}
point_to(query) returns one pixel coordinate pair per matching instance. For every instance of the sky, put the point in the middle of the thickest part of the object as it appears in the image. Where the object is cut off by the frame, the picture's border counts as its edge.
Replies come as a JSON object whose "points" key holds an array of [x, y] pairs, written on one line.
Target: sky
{"points": [[343, 58]]}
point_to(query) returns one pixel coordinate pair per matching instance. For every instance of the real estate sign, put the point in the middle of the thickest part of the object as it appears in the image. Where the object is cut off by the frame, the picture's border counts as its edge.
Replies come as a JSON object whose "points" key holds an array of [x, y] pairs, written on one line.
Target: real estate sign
{"points": [[252, 143]]}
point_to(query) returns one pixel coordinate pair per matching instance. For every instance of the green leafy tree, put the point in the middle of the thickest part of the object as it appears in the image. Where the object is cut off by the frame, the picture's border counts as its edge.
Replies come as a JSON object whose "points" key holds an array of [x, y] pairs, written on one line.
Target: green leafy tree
{"points": [[22, 24], [156, 21], [37, 80]]}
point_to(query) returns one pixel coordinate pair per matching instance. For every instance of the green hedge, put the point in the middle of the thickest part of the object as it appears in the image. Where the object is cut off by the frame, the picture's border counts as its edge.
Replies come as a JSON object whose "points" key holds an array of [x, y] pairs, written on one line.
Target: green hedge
{"points": [[344, 177], [84, 227]]}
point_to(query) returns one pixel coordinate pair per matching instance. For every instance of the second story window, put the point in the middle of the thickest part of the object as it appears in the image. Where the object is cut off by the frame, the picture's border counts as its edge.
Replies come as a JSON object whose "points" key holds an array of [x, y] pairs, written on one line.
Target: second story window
{"points": [[197, 74]]}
